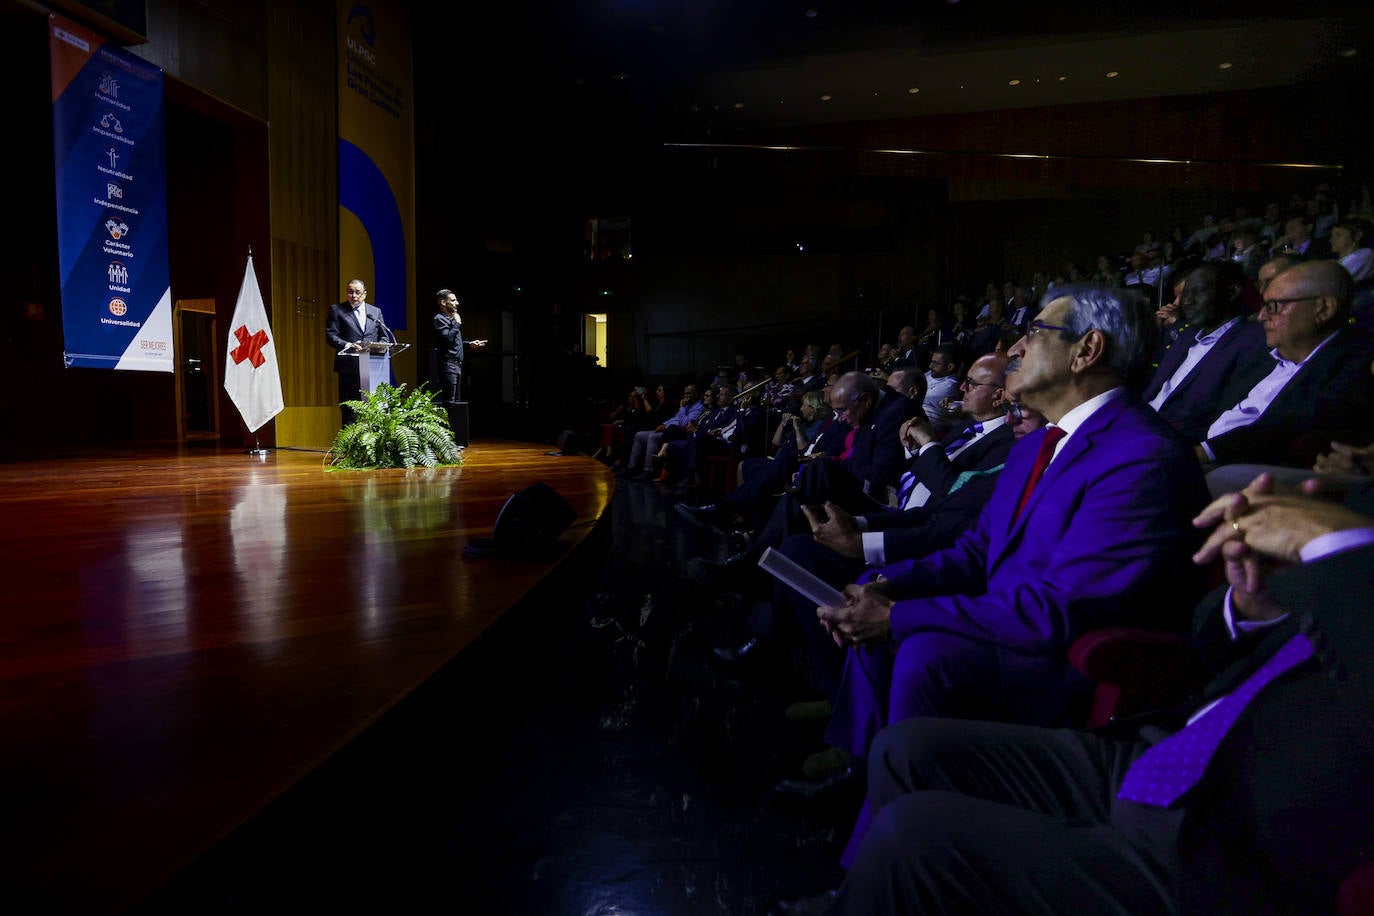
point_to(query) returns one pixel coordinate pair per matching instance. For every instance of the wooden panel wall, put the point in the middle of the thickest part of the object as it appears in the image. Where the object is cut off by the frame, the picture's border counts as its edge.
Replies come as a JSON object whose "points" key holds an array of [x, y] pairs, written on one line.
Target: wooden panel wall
{"points": [[302, 185]]}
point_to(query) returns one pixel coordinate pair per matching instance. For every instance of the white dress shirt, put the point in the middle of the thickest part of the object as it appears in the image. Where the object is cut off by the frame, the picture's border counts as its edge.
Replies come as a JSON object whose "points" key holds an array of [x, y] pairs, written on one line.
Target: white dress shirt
{"points": [[1196, 353], [874, 554]]}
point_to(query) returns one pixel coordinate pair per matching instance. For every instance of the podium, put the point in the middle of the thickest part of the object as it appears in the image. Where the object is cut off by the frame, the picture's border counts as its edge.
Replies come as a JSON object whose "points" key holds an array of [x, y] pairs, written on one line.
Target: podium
{"points": [[374, 363]]}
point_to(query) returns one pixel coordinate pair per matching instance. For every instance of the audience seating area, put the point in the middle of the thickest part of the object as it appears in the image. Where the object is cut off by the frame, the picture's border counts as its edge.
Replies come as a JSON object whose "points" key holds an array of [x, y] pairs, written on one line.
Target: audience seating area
{"points": [[722, 444]]}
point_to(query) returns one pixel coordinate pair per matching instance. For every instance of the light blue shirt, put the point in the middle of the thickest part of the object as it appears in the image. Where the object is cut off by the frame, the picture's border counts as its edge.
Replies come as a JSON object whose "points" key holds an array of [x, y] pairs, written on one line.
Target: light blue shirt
{"points": [[1254, 404], [1196, 352]]}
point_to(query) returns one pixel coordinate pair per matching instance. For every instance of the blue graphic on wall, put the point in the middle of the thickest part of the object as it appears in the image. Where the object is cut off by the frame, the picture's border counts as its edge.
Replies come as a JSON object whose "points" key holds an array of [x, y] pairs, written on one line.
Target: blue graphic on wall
{"points": [[109, 145], [364, 192]]}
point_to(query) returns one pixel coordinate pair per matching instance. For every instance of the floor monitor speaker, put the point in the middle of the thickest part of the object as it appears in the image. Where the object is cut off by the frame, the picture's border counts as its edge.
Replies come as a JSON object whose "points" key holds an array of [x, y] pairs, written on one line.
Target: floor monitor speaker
{"points": [[530, 520]]}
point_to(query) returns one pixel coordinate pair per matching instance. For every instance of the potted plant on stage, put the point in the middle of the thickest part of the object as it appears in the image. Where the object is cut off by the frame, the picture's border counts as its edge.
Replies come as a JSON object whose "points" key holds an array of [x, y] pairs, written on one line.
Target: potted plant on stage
{"points": [[395, 429]]}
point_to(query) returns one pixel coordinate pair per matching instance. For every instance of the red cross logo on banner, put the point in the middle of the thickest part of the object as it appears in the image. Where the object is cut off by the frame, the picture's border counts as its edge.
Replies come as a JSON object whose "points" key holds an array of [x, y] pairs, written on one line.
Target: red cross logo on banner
{"points": [[250, 347]]}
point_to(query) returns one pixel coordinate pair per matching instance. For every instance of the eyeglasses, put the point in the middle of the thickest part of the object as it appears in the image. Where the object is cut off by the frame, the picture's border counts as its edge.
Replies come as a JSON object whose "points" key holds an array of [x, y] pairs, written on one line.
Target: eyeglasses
{"points": [[1037, 326], [1278, 306], [968, 382]]}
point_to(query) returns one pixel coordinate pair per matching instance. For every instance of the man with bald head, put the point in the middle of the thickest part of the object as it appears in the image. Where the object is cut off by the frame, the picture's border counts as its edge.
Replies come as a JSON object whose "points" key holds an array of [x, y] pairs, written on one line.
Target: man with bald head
{"points": [[1313, 386], [906, 348]]}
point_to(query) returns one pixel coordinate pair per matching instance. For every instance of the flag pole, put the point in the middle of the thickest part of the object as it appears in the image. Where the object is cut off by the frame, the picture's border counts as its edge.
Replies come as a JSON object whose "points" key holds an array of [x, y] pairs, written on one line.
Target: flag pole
{"points": [[257, 449], [251, 377]]}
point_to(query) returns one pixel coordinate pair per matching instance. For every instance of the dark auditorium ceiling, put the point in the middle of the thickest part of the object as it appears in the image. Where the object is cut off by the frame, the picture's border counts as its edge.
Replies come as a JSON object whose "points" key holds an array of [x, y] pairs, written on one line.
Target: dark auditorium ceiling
{"points": [[740, 64]]}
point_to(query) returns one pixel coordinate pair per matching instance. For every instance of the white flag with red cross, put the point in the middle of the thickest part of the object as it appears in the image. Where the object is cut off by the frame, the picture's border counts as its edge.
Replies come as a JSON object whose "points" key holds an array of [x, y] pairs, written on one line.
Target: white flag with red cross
{"points": [[250, 372]]}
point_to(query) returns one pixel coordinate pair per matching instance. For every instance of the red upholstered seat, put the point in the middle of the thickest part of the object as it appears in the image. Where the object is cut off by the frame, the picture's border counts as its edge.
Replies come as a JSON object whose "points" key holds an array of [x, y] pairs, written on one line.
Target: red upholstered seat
{"points": [[1134, 669]]}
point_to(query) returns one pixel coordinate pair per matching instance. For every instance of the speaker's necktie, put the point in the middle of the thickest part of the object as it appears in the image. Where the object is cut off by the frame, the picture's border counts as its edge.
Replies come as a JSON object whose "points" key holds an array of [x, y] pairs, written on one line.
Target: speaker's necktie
{"points": [[1166, 772]]}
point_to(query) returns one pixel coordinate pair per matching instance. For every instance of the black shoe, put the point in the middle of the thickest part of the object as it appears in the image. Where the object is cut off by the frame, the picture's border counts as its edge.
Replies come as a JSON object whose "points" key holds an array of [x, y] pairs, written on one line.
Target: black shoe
{"points": [[704, 516], [703, 572], [741, 560], [747, 651], [732, 571], [813, 789], [816, 905]]}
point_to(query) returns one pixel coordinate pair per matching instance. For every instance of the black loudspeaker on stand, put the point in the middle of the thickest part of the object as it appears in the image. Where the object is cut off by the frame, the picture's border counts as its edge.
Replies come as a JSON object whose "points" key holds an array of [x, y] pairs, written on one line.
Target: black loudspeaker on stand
{"points": [[458, 421], [529, 521]]}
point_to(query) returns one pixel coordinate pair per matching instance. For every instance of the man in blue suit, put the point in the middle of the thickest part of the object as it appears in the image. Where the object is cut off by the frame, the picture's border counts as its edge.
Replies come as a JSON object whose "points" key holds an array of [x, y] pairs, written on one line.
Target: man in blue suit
{"points": [[351, 326], [1089, 526], [1186, 390]]}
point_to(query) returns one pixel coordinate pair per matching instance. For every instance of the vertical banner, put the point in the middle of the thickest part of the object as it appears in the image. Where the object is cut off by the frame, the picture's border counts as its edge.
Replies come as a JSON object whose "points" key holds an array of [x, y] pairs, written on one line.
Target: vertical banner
{"points": [[111, 203], [376, 155]]}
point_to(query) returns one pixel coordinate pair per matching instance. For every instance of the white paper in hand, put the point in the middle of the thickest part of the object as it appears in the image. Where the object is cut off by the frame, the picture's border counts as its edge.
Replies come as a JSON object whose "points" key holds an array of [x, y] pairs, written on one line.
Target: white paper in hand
{"points": [[800, 578]]}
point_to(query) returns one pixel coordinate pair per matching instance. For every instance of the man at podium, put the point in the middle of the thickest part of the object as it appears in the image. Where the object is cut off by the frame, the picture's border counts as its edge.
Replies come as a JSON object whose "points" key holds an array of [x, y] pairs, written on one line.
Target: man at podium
{"points": [[351, 326]]}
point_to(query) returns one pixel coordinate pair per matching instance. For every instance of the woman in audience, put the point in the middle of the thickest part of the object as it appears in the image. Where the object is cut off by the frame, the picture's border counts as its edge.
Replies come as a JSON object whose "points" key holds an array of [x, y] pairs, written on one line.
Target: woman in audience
{"points": [[1350, 240], [1172, 252], [990, 329], [1106, 273], [641, 410], [963, 324]]}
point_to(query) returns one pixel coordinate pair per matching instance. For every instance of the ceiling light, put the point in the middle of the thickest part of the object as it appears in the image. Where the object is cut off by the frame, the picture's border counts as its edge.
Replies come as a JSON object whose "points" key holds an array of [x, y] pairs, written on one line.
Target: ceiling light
{"points": [[913, 90], [1224, 65], [812, 14], [739, 105], [1349, 52], [1013, 82], [1112, 74], [1062, 78], [826, 97]]}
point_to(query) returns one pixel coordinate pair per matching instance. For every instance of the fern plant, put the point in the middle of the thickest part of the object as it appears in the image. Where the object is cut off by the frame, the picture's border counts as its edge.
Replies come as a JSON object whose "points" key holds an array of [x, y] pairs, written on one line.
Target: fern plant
{"points": [[393, 429]]}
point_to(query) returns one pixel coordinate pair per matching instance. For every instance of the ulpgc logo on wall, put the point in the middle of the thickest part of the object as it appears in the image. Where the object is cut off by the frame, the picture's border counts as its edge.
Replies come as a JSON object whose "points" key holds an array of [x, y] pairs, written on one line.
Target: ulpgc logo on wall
{"points": [[108, 143], [376, 155]]}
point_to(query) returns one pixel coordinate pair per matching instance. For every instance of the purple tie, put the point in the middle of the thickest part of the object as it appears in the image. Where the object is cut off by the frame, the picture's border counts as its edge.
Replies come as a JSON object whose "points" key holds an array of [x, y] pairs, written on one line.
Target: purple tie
{"points": [[1165, 772], [908, 481]]}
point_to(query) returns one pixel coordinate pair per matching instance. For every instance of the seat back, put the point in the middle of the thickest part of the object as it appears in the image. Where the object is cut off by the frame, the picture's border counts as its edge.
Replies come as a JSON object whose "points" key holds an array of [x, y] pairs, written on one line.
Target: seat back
{"points": [[1134, 669]]}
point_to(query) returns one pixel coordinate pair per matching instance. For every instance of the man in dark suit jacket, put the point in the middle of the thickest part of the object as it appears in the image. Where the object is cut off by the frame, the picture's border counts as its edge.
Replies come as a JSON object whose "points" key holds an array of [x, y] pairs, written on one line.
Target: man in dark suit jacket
{"points": [[1089, 526], [907, 354], [351, 326], [1196, 367], [859, 478], [973, 816], [840, 547], [1286, 407]]}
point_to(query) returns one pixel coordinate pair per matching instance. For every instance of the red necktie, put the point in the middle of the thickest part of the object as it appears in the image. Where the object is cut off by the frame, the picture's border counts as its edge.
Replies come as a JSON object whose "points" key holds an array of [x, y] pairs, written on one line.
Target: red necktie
{"points": [[849, 443], [1042, 460]]}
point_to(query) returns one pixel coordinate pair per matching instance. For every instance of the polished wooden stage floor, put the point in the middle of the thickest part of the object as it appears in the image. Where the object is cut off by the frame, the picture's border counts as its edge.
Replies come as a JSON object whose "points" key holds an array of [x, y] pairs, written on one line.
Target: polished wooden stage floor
{"points": [[186, 634]]}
